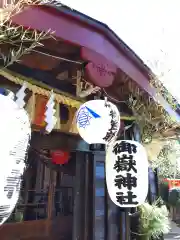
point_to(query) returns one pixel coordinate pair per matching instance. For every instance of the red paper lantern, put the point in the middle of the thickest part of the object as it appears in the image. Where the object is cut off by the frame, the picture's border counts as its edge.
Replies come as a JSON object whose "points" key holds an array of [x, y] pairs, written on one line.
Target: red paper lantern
{"points": [[60, 157]]}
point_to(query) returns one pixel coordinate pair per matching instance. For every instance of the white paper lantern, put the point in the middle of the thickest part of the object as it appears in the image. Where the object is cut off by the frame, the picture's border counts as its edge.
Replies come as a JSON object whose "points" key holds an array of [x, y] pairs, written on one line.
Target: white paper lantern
{"points": [[98, 122], [15, 132], [127, 173]]}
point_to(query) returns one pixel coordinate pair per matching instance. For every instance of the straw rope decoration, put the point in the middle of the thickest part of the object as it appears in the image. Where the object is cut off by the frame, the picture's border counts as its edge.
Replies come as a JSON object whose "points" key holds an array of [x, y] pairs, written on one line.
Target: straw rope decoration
{"points": [[60, 98]]}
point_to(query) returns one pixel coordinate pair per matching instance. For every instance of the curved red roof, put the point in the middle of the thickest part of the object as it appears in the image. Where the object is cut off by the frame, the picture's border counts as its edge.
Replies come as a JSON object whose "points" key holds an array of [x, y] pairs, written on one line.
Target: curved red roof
{"points": [[95, 37]]}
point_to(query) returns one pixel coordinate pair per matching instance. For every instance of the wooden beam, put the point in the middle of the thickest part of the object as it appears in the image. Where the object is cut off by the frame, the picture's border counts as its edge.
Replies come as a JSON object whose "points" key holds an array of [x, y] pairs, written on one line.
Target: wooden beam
{"points": [[42, 89], [73, 57], [44, 77], [62, 67], [58, 140]]}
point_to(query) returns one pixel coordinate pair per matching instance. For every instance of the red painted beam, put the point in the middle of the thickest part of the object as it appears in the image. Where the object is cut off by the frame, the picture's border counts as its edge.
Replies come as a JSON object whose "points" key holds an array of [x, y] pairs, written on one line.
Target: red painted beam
{"points": [[80, 33]]}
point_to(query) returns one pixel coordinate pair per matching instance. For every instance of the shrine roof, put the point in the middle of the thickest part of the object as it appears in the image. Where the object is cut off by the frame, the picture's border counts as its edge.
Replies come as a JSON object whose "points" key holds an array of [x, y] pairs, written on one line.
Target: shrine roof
{"points": [[108, 32], [98, 42]]}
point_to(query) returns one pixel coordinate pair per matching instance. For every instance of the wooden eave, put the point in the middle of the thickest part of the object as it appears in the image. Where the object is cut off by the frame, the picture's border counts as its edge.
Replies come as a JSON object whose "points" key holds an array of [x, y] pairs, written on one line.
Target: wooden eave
{"points": [[78, 29]]}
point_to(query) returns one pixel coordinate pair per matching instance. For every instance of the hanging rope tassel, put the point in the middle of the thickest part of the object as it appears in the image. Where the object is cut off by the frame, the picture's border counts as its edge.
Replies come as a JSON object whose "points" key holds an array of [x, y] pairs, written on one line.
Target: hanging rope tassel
{"points": [[50, 119], [20, 95]]}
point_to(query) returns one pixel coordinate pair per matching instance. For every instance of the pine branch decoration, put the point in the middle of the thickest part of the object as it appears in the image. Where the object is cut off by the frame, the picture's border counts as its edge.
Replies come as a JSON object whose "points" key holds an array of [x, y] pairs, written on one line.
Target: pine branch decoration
{"points": [[18, 40], [150, 115], [168, 159], [154, 220]]}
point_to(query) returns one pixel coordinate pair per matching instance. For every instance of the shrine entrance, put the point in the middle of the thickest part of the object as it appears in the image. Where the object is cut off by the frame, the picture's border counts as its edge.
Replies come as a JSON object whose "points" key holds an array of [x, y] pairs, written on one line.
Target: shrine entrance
{"points": [[63, 196], [63, 202], [65, 193], [52, 203]]}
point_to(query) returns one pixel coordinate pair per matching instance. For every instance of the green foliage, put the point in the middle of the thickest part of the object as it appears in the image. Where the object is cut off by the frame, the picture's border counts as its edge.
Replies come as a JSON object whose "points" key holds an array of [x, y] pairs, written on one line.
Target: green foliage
{"points": [[15, 41], [167, 161], [174, 197], [153, 220]]}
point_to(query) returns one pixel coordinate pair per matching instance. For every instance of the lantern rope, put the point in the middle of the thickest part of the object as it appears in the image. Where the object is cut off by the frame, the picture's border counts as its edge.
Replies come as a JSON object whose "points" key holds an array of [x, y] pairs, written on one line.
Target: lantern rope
{"points": [[60, 98]]}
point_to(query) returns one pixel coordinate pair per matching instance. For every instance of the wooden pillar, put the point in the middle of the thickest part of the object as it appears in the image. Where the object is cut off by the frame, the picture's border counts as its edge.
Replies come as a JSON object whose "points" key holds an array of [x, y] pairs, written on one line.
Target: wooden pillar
{"points": [[78, 212], [113, 219], [86, 197], [57, 114], [127, 224], [99, 195], [50, 201]]}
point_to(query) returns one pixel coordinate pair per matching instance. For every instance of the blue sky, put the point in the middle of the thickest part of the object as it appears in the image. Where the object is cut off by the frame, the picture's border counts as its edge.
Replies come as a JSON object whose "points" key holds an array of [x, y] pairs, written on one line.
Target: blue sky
{"points": [[149, 27]]}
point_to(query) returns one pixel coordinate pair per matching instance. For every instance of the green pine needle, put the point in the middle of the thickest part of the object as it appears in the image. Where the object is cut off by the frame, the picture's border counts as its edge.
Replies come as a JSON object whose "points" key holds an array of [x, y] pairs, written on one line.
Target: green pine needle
{"points": [[15, 41], [154, 219]]}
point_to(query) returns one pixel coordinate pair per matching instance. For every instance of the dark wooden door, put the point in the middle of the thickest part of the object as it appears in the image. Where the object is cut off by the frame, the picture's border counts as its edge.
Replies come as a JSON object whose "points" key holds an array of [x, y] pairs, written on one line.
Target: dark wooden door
{"points": [[63, 201], [107, 217]]}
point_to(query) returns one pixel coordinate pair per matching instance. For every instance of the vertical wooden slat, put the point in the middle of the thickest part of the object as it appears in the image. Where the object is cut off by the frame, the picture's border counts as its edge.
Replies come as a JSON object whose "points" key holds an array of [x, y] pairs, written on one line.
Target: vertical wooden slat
{"points": [[89, 197], [86, 197], [58, 124], [50, 194], [50, 202], [73, 127], [79, 206], [112, 226], [99, 198], [78, 82], [127, 223]]}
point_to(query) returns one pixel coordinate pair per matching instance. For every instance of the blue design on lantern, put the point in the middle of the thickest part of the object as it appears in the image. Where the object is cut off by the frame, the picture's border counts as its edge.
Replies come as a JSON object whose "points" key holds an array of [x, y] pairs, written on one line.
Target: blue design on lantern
{"points": [[84, 116], [2, 91]]}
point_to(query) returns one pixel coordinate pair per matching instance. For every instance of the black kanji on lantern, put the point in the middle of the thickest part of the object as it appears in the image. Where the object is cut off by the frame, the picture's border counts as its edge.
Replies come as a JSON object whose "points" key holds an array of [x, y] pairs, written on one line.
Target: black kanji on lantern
{"points": [[113, 114], [126, 199], [12, 183], [124, 146], [127, 181], [114, 127], [109, 136], [125, 163]]}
